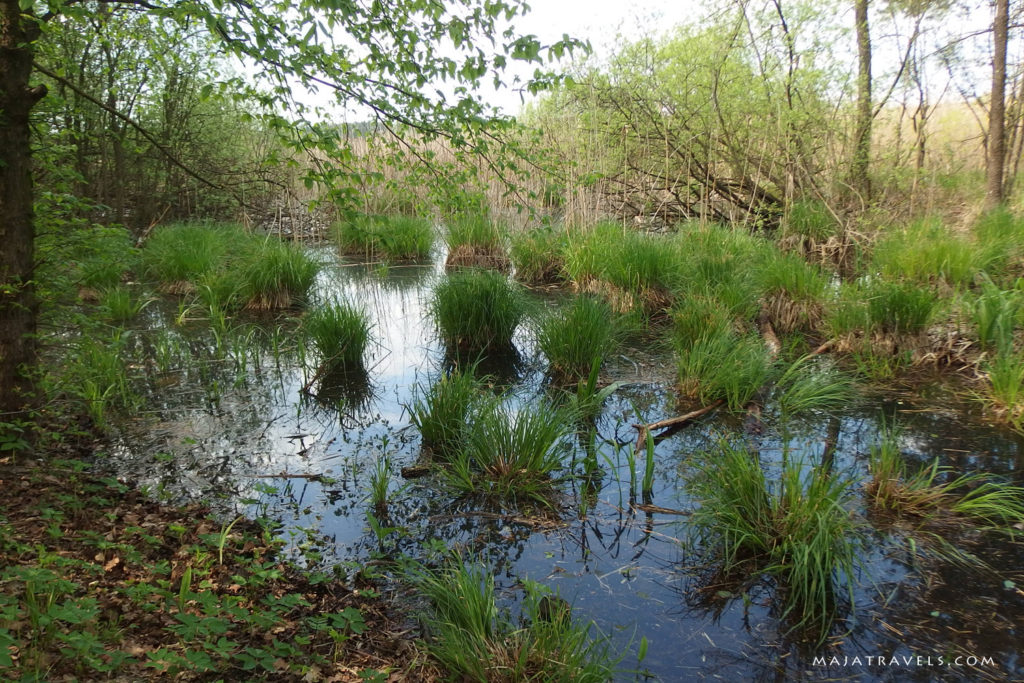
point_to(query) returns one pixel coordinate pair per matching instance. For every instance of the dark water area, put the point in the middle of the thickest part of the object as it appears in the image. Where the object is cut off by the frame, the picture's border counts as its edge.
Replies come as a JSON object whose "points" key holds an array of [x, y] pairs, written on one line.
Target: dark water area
{"points": [[226, 420]]}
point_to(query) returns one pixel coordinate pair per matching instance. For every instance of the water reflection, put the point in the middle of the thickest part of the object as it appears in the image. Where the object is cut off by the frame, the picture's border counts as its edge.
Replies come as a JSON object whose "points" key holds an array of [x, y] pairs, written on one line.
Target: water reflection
{"points": [[226, 419]]}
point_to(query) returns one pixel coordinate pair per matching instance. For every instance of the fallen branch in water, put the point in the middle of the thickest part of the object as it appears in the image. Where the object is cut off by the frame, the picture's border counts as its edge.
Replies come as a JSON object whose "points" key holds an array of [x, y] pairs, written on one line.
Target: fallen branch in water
{"points": [[672, 422]]}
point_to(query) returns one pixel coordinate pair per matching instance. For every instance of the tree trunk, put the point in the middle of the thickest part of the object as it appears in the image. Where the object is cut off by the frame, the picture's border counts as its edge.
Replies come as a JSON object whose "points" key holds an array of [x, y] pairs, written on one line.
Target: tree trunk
{"points": [[859, 178], [18, 305], [996, 150]]}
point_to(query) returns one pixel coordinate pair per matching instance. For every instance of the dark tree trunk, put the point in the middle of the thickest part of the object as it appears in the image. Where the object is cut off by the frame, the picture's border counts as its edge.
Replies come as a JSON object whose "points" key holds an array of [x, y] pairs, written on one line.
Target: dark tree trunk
{"points": [[18, 305], [996, 150], [859, 178]]}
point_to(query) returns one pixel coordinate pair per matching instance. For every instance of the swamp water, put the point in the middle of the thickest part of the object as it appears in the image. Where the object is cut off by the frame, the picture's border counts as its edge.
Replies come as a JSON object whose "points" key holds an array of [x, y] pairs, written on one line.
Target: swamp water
{"points": [[226, 420]]}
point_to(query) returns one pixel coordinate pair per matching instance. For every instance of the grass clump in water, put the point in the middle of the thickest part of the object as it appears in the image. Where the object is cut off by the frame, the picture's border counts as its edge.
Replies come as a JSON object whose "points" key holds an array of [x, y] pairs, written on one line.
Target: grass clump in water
{"points": [[443, 412], [576, 335], [795, 528], [1005, 372], [725, 366], [178, 255], [339, 333], [389, 237], [806, 386], [538, 255], [977, 496], [477, 310], [475, 641], [476, 242], [511, 453], [276, 275]]}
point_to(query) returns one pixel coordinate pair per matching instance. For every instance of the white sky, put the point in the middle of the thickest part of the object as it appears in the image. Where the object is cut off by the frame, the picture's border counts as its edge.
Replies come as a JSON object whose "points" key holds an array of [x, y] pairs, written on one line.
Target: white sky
{"points": [[599, 21]]}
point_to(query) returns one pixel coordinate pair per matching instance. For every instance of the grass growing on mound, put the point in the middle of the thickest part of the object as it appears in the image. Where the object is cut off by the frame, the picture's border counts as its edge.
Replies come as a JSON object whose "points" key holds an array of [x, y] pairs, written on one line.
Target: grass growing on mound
{"points": [[639, 271], [576, 335], [257, 271], [442, 412], [1005, 372], [276, 274], [178, 255], [510, 453], [725, 366], [794, 291], [389, 237], [808, 386], [476, 641], [927, 252], [538, 255], [476, 242], [899, 308], [477, 310], [795, 528], [339, 333], [696, 317]]}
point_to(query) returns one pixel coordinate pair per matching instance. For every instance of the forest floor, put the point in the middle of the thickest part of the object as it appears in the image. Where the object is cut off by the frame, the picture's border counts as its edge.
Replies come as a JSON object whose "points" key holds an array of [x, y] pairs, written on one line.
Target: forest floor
{"points": [[98, 582]]}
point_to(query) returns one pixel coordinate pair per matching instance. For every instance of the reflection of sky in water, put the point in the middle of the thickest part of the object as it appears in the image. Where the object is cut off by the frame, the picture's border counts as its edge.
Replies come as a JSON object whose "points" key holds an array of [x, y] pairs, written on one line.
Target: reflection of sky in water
{"points": [[628, 570]]}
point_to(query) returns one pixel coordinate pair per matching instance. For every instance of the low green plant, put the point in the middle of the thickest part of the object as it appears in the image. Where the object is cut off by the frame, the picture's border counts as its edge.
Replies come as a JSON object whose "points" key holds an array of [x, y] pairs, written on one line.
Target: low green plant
{"points": [[809, 386], [443, 412], [380, 481], [476, 231], [388, 237], [1005, 372], [339, 333], [276, 274], [725, 366], [511, 452], [576, 335], [794, 527], [474, 640], [926, 252], [995, 313], [477, 310], [179, 254], [538, 255], [795, 292], [119, 304], [810, 218], [899, 307], [695, 317], [933, 491]]}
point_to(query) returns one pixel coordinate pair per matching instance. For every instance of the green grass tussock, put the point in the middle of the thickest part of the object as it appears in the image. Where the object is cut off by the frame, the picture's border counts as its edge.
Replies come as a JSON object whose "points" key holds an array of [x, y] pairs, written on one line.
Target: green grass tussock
{"points": [[477, 310], [387, 237], [476, 242], [443, 411], [339, 333], [538, 255], [578, 334], [276, 274], [725, 366], [927, 252], [796, 528], [511, 453], [927, 493], [234, 266], [474, 640]]}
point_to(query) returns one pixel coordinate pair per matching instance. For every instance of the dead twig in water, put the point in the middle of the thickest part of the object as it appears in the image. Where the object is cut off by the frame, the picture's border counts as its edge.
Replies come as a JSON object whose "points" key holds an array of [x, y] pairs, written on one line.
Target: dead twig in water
{"points": [[644, 429]]}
